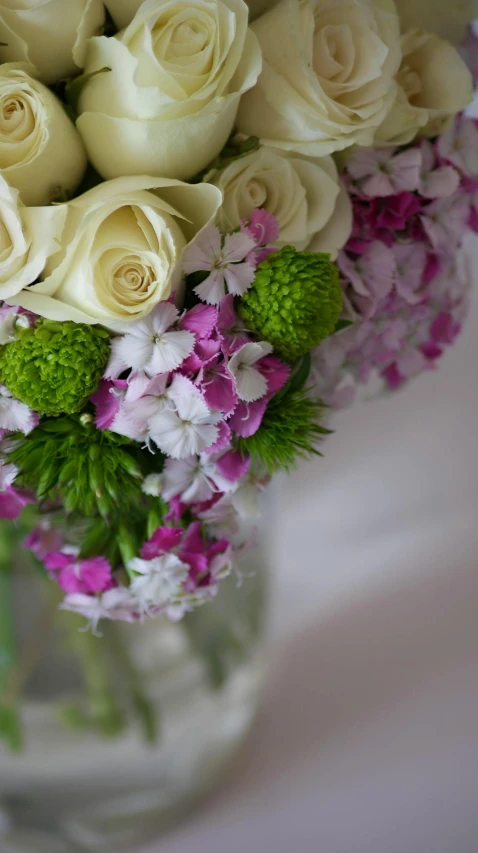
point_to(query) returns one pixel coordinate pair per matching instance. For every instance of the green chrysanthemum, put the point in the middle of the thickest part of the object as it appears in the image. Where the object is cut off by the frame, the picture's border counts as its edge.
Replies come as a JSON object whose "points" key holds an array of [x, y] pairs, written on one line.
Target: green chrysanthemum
{"points": [[295, 301], [289, 431], [54, 367]]}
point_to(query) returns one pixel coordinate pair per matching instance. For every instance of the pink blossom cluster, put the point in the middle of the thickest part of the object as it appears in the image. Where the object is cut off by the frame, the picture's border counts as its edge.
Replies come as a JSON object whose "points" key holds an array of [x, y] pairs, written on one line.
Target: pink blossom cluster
{"points": [[177, 569], [404, 279], [184, 384], [188, 382]]}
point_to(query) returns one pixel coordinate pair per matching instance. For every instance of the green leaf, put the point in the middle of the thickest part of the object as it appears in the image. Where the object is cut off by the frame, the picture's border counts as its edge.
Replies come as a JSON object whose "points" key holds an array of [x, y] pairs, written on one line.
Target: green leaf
{"points": [[127, 544], [8, 642], [59, 425], [299, 378], [155, 517], [96, 540], [74, 88]]}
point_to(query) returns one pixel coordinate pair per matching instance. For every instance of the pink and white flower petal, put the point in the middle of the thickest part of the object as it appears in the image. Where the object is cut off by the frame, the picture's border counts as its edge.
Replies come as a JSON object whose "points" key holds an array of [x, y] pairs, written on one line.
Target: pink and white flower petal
{"points": [[250, 384]]}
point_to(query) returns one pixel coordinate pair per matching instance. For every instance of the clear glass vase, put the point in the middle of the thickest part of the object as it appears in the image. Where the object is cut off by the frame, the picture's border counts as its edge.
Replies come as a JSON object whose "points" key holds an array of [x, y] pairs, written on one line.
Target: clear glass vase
{"points": [[123, 732]]}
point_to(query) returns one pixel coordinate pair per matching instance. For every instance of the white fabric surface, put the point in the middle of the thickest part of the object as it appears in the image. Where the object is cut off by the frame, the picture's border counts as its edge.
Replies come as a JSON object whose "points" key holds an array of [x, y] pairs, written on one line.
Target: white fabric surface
{"points": [[367, 739]]}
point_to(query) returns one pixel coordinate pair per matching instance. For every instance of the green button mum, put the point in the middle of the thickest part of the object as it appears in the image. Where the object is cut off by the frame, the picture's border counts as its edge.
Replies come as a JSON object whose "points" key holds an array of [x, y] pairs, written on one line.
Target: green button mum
{"points": [[54, 367], [295, 301]]}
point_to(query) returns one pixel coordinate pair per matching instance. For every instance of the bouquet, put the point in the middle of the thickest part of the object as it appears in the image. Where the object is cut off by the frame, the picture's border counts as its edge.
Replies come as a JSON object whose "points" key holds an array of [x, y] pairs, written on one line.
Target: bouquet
{"points": [[210, 234]]}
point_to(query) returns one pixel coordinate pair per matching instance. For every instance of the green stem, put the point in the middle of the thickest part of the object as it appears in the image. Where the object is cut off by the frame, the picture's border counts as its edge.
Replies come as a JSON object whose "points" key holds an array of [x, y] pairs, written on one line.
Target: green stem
{"points": [[143, 707], [8, 643], [103, 708], [214, 640], [21, 665], [10, 730]]}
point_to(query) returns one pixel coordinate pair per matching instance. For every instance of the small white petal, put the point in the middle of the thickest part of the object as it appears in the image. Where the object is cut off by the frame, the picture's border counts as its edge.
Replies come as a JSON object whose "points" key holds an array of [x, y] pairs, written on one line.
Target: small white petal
{"points": [[212, 289], [15, 415], [163, 317], [239, 278], [169, 351], [152, 485], [7, 475], [129, 351], [250, 384], [158, 582]]}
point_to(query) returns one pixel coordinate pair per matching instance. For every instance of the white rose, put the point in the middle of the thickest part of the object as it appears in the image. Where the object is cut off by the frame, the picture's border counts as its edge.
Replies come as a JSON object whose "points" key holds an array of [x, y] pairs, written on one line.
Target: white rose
{"points": [[170, 100], [447, 18], [121, 250], [258, 7], [122, 11], [304, 194], [28, 236], [50, 35], [41, 152], [433, 85], [328, 74]]}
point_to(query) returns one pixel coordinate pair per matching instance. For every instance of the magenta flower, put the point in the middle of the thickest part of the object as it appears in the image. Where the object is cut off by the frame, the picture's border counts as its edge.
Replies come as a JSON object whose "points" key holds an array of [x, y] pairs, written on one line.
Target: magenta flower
{"points": [[247, 418], [232, 330], [164, 539], [262, 226], [175, 564], [107, 399], [223, 440], [200, 320], [217, 386], [43, 540], [393, 214], [12, 503], [80, 576], [233, 465]]}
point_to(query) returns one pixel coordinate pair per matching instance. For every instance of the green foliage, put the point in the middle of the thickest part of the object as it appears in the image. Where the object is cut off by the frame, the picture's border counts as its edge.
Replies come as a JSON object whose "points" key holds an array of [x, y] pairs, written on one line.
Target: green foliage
{"points": [[87, 470], [295, 301], [55, 367], [289, 431]]}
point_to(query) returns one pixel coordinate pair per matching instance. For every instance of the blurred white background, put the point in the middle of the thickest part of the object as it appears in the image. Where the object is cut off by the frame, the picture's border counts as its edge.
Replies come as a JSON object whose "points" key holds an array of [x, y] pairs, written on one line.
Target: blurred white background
{"points": [[367, 738]]}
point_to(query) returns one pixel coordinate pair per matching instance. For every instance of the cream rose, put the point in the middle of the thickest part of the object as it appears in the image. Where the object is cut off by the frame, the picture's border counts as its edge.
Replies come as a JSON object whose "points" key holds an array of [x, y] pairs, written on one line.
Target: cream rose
{"points": [[258, 7], [41, 152], [50, 35], [304, 194], [447, 18], [328, 74], [123, 11], [170, 100], [121, 250], [28, 236], [433, 85]]}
